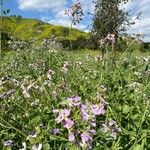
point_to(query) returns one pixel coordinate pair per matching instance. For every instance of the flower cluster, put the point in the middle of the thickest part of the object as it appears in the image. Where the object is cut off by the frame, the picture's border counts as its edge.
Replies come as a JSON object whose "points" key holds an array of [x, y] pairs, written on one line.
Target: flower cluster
{"points": [[16, 44], [87, 113], [110, 37], [65, 67], [111, 126], [75, 12], [51, 44]]}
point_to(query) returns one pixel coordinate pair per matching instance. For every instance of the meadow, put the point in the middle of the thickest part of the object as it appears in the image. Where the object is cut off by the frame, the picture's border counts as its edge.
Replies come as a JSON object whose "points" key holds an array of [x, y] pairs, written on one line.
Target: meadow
{"points": [[53, 99]]}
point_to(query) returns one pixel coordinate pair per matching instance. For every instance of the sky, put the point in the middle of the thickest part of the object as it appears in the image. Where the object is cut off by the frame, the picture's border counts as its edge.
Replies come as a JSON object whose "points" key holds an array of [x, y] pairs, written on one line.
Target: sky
{"points": [[52, 11]]}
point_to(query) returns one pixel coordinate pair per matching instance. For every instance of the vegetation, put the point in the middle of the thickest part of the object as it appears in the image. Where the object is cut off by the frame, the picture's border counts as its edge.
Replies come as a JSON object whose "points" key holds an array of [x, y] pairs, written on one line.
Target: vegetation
{"points": [[109, 17], [30, 29], [55, 99], [69, 100]]}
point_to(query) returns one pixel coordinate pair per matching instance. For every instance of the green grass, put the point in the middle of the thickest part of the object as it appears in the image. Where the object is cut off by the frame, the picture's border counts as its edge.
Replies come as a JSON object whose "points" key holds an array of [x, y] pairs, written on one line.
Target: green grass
{"points": [[124, 86]]}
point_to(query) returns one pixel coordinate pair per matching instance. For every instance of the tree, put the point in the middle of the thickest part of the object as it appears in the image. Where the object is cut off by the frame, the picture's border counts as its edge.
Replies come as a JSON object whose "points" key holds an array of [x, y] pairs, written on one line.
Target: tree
{"points": [[109, 18]]}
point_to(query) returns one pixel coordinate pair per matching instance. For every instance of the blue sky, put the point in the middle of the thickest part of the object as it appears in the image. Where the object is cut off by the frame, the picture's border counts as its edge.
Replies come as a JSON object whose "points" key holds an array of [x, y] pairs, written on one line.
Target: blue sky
{"points": [[52, 11]]}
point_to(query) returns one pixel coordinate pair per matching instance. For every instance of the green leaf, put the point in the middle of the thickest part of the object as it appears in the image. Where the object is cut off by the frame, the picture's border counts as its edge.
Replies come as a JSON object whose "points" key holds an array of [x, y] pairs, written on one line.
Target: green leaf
{"points": [[61, 146], [35, 120], [46, 146], [138, 147], [126, 109], [8, 11], [4, 12]]}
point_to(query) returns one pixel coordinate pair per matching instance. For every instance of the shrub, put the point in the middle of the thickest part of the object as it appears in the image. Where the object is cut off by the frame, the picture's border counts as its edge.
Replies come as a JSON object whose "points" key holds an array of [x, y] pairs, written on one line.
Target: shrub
{"points": [[4, 41]]}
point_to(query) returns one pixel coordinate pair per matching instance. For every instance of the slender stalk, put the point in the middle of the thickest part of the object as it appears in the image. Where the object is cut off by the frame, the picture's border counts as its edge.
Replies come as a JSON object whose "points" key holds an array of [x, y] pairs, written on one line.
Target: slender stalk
{"points": [[70, 35]]}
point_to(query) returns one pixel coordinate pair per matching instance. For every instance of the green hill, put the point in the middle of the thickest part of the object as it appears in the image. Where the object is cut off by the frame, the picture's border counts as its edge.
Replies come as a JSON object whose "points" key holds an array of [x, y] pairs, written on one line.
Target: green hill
{"points": [[27, 29]]}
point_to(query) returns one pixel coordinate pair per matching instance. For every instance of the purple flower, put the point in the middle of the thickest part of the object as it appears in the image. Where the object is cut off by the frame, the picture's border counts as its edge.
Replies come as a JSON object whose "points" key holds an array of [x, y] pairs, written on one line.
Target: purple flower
{"points": [[111, 123], [74, 101], [68, 123], [84, 111], [98, 109], [93, 132], [93, 122], [63, 114], [55, 131], [71, 137], [8, 143], [86, 137], [112, 127]]}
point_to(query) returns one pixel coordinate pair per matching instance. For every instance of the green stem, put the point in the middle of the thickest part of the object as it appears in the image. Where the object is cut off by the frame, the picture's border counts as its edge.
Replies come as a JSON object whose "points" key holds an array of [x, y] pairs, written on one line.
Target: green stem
{"points": [[70, 35], [9, 125]]}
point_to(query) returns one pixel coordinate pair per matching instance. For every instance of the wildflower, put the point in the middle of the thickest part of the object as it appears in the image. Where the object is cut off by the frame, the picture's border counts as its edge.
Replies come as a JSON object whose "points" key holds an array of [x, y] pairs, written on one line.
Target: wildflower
{"points": [[47, 82], [74, 101], [98, 58], [63, 114], [7, 94], [146, 59], [68, 123], [111, 126], [93, 122], [85, 115], [16, 82], [111, 37], [98, 109], [25, 93], [111, 123], [55, 131], [37, 147], [24, 146], [8, 143], [35, 103], [50, 73], [71, 137], [79, 63], [86, 137], [93, 132], [32, 135], [65, 67], [54, 94]]}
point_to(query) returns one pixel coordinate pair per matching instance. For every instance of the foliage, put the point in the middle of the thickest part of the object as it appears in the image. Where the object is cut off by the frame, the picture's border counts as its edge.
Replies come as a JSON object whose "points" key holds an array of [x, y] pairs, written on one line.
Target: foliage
{"points": [[109, 18], [99, 107], [4, 41]]}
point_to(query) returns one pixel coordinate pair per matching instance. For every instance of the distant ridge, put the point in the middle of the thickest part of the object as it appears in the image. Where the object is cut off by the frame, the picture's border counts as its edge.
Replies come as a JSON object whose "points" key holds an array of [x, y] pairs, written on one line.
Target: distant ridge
{"points": [[27, 29]]}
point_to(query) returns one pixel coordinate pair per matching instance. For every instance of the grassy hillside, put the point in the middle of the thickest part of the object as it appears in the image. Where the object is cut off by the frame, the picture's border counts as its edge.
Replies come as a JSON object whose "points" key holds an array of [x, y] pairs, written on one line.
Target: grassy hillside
{"points": [[27, 29]]}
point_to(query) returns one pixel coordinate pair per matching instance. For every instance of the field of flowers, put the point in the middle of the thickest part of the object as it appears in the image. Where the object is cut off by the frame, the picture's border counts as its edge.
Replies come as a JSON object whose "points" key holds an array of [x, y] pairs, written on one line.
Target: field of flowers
{"points": [[56, 100]]}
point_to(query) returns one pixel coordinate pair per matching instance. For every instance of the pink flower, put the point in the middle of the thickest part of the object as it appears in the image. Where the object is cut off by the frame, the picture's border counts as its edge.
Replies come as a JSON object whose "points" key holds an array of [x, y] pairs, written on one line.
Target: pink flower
{"points": [[74, 101], [98, 109], [71, 137], [63, 114], [68, 123]]}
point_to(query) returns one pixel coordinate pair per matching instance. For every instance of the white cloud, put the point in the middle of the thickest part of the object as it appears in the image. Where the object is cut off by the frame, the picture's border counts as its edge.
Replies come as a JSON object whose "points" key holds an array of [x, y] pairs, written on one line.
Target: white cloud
{"points": [[41, 5], [141, 26]]}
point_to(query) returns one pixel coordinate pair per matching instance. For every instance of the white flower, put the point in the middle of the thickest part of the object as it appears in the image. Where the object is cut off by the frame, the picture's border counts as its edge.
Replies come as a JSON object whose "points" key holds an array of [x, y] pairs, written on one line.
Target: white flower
{"points": [[24, 146], [37, 147]]}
